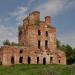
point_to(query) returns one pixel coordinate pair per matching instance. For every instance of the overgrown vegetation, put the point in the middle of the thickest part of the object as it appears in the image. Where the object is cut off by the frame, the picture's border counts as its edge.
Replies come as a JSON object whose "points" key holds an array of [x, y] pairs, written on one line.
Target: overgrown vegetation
{"points": [[37, 70], [19, 28], [37, 23], [7, 42], [69, 51]]}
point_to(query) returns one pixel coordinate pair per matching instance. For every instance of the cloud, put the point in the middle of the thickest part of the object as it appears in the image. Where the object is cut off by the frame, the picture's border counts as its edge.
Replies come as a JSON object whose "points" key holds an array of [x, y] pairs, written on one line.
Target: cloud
{"points": [[20, 13], [7, 29], [0, 20], [67, 39], [54, 7], [51, 7], [30, 1], [70, 4], [8, 33]]}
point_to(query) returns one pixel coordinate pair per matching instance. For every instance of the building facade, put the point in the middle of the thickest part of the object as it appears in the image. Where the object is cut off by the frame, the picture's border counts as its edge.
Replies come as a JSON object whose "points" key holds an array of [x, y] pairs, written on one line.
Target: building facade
{"points": [[37, 44]]}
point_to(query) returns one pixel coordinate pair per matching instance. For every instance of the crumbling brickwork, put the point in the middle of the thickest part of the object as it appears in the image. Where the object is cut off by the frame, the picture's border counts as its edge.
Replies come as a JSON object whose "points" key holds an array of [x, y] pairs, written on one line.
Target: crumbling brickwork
{"points": [[37, 44]]}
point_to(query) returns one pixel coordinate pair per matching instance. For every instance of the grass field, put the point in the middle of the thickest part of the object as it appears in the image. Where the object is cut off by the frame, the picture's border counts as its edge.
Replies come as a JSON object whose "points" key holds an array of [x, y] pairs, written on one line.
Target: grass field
{"points": [[38, 70]]}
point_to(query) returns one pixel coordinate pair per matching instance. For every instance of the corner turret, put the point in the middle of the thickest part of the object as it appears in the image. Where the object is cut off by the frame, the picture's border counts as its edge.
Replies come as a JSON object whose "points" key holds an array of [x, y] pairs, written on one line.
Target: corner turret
{"points": [[48, 20]]}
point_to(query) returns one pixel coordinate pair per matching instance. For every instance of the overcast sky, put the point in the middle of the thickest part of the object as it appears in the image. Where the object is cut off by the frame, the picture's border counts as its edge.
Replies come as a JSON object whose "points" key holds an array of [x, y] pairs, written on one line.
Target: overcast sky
{"points": [[12, 12]]}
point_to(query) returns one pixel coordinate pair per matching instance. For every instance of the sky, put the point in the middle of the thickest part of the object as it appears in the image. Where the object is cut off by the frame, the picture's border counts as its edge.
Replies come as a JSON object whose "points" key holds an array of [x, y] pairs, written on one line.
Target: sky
{"points": [[12, 13]]}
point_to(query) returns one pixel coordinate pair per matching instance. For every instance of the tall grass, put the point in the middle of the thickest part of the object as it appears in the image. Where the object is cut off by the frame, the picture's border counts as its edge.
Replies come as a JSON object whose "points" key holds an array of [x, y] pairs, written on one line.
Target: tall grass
{"points": [[37, 70]]}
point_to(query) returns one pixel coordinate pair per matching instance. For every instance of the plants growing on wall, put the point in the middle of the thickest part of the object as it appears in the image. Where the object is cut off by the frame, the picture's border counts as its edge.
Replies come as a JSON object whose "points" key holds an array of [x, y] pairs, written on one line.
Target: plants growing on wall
{"points": [[37, 23]]}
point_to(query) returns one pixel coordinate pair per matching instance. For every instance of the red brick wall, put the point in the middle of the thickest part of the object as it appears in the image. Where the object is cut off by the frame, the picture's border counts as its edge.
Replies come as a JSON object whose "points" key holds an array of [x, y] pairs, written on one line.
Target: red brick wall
{"points": [[28, 41]]}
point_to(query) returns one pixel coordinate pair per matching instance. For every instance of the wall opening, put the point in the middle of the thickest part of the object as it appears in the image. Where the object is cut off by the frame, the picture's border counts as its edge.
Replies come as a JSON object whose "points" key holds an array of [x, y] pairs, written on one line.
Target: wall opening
{"points": [[21, 50], [46, 44], [20, 32], [46, 33], [12, 60], [21, 60], [44, 60], [29, 60], [51, 60], [39, 32], [37, 60], [0, 62], [39, 44], [59, 61]]}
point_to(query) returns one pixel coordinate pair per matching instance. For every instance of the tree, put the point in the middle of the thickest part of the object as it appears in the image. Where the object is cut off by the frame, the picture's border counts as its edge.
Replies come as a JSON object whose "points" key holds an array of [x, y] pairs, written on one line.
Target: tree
{"points": [[70, 53], [58, 44], [63, 48], [6, 42], [14, 44], [74, 54]]}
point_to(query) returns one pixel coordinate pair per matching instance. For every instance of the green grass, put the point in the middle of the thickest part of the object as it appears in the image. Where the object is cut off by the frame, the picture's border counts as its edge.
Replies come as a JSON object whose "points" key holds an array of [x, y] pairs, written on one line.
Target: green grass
{"points": [[38, 70]]}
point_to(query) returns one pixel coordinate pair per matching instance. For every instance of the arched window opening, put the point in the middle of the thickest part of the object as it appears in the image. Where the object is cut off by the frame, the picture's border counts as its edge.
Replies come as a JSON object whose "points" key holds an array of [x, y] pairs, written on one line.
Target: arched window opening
{"points": [[46, 33], [39, 32], [20, 32], [46, 44], [39, 44], [21, 50]]}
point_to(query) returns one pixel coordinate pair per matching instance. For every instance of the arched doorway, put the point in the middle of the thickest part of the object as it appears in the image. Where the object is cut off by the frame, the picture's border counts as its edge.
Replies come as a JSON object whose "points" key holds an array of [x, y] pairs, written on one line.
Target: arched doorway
{"points": [[21, 60], [59, 61], [51, 60], [37, 60], [29, 60], [12, 60], [44, 60]]}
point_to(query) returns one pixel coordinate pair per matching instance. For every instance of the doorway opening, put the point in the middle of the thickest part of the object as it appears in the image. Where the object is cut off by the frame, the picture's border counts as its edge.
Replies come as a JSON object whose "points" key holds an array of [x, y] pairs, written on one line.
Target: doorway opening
{"points": [[44, 60], [12, 60], [59, 61], [29, 60], [21, 60], [37, 60], [51, 60]]}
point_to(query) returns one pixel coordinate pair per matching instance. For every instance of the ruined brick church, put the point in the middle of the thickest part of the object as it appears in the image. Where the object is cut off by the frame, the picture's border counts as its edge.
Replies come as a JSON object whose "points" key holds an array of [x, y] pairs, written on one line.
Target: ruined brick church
{"points": [[37, 44]]}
